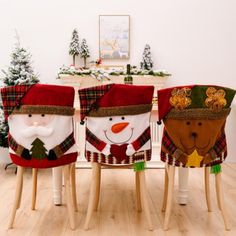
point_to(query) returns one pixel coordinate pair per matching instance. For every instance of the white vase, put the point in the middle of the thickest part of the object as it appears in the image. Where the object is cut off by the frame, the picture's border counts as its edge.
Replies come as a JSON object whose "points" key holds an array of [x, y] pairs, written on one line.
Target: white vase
{"points": [[4, 155]]}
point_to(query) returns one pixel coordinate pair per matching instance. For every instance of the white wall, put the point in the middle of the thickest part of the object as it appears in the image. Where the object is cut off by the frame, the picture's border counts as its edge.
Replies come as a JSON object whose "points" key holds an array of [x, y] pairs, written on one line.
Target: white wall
{"points": [[195, 40]]}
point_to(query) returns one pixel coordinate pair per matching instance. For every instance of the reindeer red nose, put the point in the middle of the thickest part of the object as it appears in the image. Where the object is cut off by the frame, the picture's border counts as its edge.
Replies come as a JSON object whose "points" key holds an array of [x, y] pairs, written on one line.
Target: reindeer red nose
{"points": [[116, 128]]}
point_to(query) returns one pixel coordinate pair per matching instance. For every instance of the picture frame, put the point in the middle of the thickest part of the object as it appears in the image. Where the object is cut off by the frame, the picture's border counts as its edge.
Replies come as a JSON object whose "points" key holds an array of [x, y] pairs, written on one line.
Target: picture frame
{"points": [[114, 36]]}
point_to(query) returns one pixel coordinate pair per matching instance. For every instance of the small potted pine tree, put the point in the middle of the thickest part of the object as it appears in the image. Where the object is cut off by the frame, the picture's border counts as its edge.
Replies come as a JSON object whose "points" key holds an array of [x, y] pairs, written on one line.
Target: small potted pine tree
{"points": [[84, 51], [146, 63], [74, 45]]}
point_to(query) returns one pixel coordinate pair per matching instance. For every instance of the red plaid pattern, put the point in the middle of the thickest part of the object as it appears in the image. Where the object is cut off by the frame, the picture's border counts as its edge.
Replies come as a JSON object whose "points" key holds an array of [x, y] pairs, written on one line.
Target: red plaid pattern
{"points": [[167, 142], [220, 148], [11, 97], [142, 139], [89, 98], [12, 143], [101, 158], [67, 143], [95, 141]]}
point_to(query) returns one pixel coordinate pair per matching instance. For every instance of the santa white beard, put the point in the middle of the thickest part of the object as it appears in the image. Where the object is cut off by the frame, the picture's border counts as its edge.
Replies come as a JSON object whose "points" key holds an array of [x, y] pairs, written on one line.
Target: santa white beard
{"points": [[59, 128]]}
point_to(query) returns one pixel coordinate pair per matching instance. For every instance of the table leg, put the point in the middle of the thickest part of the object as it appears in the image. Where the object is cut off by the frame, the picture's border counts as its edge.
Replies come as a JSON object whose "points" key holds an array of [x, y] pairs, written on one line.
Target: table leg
{"points": [[57, 185], [183, 186]]}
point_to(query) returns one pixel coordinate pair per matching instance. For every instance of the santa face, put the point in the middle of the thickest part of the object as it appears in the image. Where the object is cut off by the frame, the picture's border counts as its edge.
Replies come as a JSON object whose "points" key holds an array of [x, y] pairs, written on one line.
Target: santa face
{"points": [[118, 129], [50, 129]]}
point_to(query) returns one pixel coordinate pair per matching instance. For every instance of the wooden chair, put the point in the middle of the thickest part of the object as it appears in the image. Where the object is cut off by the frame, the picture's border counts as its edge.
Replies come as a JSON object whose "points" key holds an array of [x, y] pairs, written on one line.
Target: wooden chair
{"points": [[42, 114], [115, 113], [194, 120]]}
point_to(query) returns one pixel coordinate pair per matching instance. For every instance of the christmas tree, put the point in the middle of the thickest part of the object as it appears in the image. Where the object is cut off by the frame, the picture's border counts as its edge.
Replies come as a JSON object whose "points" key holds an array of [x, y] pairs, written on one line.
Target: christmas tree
{"points": [[38, 150], [19, 72], [147, 63], [84, 51], [74, 45]]}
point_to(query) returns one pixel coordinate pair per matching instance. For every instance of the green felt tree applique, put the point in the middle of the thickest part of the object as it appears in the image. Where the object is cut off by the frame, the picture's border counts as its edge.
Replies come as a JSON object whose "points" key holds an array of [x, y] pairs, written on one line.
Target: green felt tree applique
{"points": [[38, 150]]}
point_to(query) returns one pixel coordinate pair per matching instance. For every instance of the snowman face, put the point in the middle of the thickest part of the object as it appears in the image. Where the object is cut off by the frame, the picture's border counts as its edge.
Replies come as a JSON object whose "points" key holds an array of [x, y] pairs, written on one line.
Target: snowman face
{"points": [[118, 129]]}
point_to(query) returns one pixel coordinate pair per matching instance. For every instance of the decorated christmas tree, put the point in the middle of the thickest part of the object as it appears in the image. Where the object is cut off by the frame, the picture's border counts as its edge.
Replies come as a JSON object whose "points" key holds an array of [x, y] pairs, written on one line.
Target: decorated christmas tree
{"points": [[19, 72], [146, 63], [84, 51], [38, 150], [74, 45]]}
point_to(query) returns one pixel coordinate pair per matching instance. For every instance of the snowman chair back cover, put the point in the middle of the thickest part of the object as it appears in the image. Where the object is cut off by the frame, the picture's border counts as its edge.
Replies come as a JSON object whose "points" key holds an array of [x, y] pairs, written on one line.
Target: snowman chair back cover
{"points": [[194, 125], [40, 124], [117, 119]]}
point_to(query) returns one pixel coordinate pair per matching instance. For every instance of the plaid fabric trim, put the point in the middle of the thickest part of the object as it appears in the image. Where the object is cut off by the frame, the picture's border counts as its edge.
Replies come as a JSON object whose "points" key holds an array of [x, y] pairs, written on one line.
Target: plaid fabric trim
{"points": [[11, 97], [220, 145], [220, 149], [95, 141], [142, 139], [168, 143], [89, 98], [67, 143], [12, 143], [101, 158]]}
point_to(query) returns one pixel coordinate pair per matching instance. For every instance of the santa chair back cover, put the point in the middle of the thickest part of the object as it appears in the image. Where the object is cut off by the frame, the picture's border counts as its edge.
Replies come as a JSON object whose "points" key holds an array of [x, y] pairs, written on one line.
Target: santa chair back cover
{"points": [[117, 123], [194, 118], [40, 124]]}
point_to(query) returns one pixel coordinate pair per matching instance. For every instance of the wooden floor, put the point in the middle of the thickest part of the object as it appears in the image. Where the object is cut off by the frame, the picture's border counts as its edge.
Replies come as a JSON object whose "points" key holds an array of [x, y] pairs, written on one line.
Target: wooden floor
{"points": [[117, 215]]}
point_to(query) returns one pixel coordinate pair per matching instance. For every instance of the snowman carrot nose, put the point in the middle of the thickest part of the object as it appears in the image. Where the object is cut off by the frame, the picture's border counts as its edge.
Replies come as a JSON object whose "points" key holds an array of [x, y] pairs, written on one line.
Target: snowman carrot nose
{"points": [[116, 128]]}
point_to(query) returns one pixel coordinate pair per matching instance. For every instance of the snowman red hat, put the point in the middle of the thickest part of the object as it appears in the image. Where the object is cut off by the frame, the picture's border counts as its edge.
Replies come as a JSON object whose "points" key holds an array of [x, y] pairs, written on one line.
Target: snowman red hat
{"points": [[115, 100], [36, 99]]}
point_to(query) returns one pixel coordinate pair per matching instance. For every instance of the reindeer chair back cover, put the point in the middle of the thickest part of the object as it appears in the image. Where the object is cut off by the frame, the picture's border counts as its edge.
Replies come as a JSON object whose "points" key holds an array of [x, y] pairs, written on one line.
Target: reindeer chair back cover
{"points": [[40, 124], [194, 125], [117, 123]]}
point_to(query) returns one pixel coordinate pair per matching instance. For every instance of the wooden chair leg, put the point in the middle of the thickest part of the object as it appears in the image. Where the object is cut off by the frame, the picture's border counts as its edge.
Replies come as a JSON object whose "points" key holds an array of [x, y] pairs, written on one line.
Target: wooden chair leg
{"points": [[171, 176], [21, 187], [19, 184], [144, 198], [165, 191], [207, 188], [98, 187], [73, 187], [70, 209], [137, 186], [34, 189], [92, 194], [220, 199]]}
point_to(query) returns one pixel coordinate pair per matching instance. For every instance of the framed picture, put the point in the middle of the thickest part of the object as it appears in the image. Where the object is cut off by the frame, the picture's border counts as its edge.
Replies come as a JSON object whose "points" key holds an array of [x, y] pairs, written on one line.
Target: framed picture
{"points": [[114, 36]]}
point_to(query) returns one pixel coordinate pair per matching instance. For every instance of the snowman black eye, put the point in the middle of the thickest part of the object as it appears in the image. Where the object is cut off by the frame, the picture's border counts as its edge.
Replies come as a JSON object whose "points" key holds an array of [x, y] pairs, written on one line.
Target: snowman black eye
{"points": [[29, 115], [43, 115], [122, 118], [110, 119]]}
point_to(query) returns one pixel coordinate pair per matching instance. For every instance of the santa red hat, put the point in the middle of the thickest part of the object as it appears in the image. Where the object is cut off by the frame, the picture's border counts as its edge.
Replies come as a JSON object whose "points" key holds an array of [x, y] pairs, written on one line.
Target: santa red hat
{"points": [[38, 98], [115, 99], [195, 102]]}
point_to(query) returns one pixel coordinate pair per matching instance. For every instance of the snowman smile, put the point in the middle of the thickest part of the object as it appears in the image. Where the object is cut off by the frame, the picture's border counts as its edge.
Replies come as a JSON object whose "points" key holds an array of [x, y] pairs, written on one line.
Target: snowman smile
{"points": [[120, 142]]}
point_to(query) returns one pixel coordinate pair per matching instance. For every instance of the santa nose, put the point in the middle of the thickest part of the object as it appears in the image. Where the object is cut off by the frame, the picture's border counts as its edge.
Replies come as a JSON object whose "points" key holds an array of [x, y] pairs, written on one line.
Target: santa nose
{"points": [[116, 128], [35, 123]]}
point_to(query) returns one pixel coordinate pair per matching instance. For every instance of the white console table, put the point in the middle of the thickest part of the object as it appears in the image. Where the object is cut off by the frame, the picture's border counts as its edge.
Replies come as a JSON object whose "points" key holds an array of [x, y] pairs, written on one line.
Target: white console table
{"points": [[156, 131]]}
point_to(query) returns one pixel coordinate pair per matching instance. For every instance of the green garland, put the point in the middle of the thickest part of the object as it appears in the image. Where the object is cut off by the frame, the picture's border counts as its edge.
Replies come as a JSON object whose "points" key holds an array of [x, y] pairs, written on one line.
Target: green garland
{"points": [[68, 71]]}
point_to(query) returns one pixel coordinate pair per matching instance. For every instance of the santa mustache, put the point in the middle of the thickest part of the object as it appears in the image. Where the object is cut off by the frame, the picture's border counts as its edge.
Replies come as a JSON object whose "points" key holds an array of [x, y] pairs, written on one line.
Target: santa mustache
{"points": [[38, 130]]}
